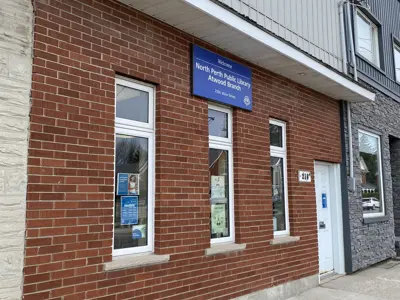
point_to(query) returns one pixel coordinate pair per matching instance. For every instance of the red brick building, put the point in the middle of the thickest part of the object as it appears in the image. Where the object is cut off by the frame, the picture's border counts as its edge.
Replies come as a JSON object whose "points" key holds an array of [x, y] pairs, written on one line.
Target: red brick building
{"points": [[85, 54]]}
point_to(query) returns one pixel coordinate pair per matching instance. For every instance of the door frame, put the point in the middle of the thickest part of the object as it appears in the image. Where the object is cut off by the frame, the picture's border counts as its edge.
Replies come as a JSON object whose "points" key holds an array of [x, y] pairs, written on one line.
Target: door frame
{"points": [[336, 215]]}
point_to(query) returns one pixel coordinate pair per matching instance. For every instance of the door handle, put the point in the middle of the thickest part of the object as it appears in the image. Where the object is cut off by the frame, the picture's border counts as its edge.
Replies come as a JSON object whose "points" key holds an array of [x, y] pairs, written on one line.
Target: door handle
{"points": [[322, 225]]}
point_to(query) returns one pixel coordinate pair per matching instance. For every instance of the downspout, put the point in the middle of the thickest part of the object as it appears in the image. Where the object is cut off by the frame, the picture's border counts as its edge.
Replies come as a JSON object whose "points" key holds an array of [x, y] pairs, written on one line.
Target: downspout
{"points": [[349, 127], [352, 182], [351, 42], [343, 37], [348, 257], [345, 105]]}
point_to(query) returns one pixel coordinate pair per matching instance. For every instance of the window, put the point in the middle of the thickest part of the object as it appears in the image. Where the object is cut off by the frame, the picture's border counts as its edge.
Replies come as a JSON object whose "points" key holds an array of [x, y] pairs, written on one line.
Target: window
{"points": [[397, 62], [134, 168], [367, 38], [220, 174], [371, 174], [277, 134]]}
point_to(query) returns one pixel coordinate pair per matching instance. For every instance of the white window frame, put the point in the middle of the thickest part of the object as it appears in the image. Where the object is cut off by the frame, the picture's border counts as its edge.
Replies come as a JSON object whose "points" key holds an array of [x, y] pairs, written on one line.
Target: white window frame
{"points": [[381, 187], [221, 143], [396, 48], [144, 130], [374, 38], [125, 123], [281, 152]]}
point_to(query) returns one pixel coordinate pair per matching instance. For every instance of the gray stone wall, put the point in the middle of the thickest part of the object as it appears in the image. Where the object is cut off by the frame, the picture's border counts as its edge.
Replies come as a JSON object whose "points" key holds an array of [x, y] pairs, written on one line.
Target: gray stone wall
{"points": [[15, 83], [372, 243]]}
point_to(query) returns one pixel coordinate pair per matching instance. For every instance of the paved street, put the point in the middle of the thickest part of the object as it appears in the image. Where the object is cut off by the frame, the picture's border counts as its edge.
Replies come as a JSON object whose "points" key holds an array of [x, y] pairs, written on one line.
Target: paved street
{"points": [[381, 282]]}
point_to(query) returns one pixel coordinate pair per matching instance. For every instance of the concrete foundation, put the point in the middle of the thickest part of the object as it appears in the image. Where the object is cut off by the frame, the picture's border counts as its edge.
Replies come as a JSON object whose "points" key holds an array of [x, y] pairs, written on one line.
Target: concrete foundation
{"points": [[284, 291]]}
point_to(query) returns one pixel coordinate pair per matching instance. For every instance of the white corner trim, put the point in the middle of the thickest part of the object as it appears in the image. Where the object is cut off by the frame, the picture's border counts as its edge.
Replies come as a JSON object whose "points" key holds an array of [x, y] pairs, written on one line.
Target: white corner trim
{"points": [[224, 248], [134, 261], [232, 20], [280, 240]]}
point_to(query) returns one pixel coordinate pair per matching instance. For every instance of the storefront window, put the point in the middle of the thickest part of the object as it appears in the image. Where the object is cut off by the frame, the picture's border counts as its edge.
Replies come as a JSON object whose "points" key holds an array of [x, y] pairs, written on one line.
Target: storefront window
{"points": [[134, 168], [371, 174], [132, 104], [219, 192], [278, 194], [217, 123], [280, 218], [220, 175], [131, 194], [275, 133]]}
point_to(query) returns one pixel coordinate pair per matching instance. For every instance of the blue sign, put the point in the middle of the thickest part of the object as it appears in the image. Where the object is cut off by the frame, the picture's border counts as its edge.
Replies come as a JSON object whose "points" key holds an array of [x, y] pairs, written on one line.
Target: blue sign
{"points": [[122, 184], [218, 78], [129, 210], [324, 201], [136, 234], [127, 184]]}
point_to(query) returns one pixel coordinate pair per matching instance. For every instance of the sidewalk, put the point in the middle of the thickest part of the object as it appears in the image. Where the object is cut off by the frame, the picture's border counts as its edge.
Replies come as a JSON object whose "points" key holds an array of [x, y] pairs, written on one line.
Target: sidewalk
{"points": [[381, 282]]}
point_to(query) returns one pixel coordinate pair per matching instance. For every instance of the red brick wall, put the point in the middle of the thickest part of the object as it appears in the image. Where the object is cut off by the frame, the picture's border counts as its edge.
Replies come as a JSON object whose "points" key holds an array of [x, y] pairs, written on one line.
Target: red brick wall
{"points": [[79, 47]]}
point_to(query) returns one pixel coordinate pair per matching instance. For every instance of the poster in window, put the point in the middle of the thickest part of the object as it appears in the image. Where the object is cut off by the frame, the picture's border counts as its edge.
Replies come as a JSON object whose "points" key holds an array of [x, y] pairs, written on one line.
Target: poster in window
{"points": [[128, 184], [138, 232], [218, 219], [217, 187], [129, 210]]}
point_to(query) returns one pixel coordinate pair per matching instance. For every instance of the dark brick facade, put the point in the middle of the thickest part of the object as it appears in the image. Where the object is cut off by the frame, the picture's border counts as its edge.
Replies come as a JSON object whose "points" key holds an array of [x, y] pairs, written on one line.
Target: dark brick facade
{"points": [[373, 242]]}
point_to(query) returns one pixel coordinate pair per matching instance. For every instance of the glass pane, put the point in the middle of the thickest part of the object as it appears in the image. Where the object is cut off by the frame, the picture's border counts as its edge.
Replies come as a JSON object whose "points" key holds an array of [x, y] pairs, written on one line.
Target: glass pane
{"points": [[364, 38], [278, 193], [219, 193], [217, 123], [132, 104], [275, 135], [370, 174], [131, 193], [397, 62]]}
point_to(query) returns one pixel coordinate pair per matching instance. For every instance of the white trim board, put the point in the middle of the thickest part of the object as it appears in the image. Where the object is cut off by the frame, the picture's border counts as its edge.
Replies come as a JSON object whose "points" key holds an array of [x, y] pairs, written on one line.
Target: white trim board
{"points": [[272, 42], [219, 26]]}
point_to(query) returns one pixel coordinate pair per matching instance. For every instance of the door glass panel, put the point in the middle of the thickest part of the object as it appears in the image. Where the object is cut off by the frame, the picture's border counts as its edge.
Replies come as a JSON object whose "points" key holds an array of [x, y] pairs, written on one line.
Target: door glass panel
{"points": [[131, 193], [219, 193], [132, 104], [278, 194]]}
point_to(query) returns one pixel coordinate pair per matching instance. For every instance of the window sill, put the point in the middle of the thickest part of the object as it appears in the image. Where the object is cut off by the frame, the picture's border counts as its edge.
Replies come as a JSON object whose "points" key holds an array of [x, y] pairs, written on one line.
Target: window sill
{"points": [[281, 240], [134, 261], [224, 248], [375, 219]]}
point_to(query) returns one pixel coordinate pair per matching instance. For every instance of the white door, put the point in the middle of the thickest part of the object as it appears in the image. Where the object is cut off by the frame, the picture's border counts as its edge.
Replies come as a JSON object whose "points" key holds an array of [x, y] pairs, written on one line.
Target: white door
{"points": [[324, 217]]}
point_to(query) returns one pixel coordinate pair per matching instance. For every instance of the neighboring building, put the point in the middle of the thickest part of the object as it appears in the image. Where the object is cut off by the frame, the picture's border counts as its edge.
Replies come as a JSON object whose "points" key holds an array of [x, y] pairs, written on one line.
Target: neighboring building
{"points": [[179, 151], [374, 181], [16, 26], [308, 25]]}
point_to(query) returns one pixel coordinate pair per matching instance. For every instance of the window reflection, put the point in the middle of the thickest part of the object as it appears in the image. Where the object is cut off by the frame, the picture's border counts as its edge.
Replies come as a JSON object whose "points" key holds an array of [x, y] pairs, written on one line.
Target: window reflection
{"points": [[364, 32], [278, 193], [217, 123], [219, 193], [275, 135], [132, 104], [370, 174], [131, 158]]}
